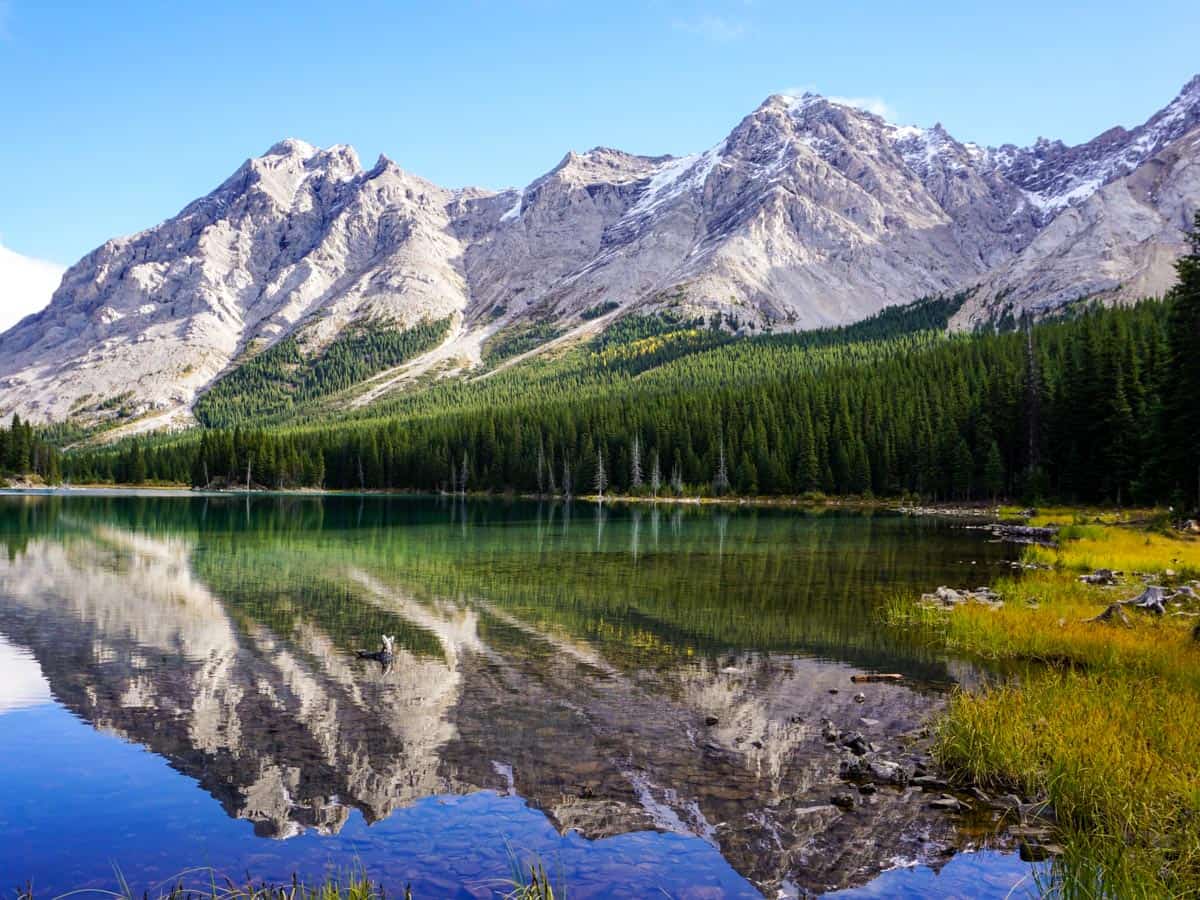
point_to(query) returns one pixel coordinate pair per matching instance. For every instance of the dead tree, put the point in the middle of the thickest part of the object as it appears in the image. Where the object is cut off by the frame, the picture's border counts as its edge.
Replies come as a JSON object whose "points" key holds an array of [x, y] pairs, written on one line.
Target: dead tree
{"points": [[1151, 600], [635, 465]]}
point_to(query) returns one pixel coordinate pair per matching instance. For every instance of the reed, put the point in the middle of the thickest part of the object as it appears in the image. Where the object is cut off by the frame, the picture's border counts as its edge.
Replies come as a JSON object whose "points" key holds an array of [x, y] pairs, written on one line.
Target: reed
{"points": [[1099, 720], [205, 883]]}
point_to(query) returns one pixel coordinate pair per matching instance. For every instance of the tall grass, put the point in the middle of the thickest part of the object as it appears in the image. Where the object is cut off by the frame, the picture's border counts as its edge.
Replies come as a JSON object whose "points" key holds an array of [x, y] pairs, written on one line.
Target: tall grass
{"points": [[1102, 721], [1087, 547], [529, 881], [207, 884]]}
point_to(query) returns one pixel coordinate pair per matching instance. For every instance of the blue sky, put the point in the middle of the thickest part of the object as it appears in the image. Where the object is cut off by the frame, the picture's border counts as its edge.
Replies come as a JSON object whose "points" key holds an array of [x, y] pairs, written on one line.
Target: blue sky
{"points": [[115, 115]]}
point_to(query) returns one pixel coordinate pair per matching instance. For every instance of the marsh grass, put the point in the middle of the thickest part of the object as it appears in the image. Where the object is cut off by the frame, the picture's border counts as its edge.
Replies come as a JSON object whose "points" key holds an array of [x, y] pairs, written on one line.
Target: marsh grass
{"points": [[1127, 549], [529, 881], [206, 883], [1100, 720]]}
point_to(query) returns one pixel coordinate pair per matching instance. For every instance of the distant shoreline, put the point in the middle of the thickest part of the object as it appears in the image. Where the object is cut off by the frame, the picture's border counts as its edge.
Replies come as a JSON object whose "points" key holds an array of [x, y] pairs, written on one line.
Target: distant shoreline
{"points": [[784, 501]]}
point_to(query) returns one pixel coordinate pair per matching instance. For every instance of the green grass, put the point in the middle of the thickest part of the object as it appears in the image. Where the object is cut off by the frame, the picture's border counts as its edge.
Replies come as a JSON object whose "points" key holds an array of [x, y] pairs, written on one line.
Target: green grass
{"points": [[1100, 720], [529, 881], [207, 884]]}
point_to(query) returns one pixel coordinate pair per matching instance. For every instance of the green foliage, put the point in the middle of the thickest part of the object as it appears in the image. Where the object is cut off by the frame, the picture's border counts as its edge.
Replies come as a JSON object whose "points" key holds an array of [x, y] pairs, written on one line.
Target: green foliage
{"points": [[1181, 427], [630, 329], [600, 309], [926, 314], [1072, 410], [517, 339], [24, 452], [282, 377]]}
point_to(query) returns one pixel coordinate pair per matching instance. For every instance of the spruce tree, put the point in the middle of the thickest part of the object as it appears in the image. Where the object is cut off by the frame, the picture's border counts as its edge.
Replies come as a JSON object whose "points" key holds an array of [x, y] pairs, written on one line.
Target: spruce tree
{"points": [[1181, 430]]}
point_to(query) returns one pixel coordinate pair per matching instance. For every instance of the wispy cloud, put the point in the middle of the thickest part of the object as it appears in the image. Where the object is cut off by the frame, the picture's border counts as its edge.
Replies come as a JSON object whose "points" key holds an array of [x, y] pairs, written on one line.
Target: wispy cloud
{"points": [[713, 28], [876, 105]]}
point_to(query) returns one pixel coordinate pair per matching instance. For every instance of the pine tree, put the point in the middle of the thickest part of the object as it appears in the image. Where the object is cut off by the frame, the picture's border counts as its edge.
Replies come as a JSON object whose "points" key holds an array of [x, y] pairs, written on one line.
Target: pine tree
{"points": [[541, 468], [993, 471], [655, 474], [1182, 407]]}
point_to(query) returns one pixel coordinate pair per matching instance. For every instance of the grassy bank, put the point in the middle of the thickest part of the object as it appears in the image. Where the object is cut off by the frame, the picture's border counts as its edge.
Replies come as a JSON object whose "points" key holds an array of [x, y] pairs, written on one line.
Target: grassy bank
{"points": [[1101, 720]]}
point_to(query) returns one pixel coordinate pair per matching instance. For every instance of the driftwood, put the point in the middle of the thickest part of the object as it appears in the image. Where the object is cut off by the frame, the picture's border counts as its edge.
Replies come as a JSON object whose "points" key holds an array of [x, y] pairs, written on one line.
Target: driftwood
{"points": [[1100, 576], [868, 679], [1152, 600], [949, 597]]}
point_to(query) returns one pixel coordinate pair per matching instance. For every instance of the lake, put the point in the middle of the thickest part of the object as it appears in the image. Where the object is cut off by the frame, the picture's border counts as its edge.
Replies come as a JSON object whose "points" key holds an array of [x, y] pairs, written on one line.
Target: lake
{"points": [[633, 696]]}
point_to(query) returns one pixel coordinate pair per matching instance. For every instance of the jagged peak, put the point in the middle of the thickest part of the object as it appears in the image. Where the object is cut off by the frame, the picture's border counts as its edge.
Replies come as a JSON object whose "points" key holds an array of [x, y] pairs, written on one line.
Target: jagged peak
{"points": [[383, 164], [1190, 92], [603, 164]]}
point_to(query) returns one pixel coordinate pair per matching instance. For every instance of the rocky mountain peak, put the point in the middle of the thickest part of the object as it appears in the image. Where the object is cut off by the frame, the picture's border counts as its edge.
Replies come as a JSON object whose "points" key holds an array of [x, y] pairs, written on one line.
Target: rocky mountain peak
{"points": [[291, 147], [811, 212]]}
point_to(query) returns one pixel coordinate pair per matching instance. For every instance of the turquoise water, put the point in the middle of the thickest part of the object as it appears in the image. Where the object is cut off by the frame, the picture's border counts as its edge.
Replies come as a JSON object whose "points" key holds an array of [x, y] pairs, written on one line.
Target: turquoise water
{"points": [[632, 696]]}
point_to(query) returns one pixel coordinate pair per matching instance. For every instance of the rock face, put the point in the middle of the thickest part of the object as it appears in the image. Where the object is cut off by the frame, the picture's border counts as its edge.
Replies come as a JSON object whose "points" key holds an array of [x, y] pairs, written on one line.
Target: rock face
{"points": [[809, 213], [1118, 245]]}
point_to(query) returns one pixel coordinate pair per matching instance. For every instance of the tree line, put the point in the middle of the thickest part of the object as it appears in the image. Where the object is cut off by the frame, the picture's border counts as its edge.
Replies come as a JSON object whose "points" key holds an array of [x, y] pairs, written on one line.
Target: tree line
{"points": [[1097, 406], [23, 451]]}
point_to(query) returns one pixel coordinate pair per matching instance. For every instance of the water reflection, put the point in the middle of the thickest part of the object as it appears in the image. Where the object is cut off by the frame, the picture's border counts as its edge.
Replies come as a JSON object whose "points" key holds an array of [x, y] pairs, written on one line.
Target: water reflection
{"points": [[21, 682], [618, 684]]}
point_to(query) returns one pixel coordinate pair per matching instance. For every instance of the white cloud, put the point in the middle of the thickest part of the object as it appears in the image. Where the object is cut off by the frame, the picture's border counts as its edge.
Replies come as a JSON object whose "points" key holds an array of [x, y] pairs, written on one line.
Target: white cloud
{"points": [[26, 285], [713, 28], [876, 105]]}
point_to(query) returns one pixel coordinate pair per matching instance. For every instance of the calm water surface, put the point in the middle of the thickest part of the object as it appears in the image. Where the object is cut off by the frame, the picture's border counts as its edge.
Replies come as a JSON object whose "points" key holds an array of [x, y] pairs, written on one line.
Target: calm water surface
{"points": [[633, 696]]}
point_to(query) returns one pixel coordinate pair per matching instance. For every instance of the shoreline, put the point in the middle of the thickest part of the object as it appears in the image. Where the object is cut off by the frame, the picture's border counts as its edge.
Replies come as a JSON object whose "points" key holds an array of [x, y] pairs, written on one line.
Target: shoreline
{"points": [[800, 502]]}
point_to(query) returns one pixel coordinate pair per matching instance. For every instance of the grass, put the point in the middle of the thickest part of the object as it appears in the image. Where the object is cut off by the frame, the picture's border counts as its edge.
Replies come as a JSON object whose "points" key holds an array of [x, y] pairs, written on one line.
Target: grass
{"points": [[529, 881], [207, 884], [1100, 720], [1084, 548]]}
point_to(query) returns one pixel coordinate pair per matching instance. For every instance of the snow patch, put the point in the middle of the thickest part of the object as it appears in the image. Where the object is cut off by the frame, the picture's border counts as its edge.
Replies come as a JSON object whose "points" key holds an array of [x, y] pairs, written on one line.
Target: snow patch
{"points": [[514, 212], [505, 771], [676, 177]]}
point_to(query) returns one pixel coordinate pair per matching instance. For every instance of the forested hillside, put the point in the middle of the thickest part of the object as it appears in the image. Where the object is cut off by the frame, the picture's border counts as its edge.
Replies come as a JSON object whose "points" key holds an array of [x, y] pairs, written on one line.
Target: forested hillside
{"points": [[283, 376], [1097, 406], [23, 451]]}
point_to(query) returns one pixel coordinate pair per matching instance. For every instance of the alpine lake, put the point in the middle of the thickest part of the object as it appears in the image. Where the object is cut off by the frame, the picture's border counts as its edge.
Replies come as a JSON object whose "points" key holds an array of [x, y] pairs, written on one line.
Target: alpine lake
{"points": [[634, 696]]}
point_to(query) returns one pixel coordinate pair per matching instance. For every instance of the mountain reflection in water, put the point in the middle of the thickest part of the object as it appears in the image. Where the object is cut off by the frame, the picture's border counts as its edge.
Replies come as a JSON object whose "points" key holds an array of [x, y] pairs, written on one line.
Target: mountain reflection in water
{"points": [[566, 659]]}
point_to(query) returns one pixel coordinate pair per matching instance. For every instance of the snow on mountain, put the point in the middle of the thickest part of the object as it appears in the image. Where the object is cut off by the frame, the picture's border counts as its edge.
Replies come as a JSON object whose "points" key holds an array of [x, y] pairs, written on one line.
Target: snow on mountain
{"points": [[1118, 245], [1055, 176], [26, 285], [810, 212]]}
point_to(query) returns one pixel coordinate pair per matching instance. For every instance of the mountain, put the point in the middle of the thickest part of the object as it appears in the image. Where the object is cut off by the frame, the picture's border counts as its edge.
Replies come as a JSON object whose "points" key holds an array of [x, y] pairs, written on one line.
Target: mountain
{"points": [[26, 285], [810, 213]]}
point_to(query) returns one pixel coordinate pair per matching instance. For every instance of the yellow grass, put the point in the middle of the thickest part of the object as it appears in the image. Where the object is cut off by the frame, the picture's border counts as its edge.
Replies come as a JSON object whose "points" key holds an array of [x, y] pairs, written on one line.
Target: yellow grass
{"points": [[1102, 720], [1086, 548]]}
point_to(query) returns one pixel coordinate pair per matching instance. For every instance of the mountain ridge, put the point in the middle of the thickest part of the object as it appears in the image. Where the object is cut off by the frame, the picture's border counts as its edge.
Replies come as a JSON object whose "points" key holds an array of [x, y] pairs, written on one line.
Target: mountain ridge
{"points": [[811, 212]]}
